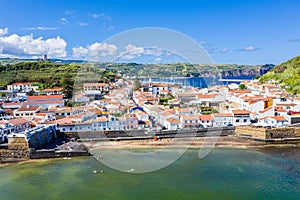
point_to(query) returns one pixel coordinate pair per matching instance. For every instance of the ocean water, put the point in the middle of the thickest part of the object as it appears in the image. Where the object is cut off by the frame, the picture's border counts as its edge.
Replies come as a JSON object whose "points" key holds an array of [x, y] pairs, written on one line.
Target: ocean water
{"points": [[223, 174], [198, 82]]}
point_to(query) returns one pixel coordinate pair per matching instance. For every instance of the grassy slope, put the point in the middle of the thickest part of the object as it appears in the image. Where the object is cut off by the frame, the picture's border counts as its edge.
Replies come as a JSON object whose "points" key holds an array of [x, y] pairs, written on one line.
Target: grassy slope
{"points": [[287, 73], [50, 74]]}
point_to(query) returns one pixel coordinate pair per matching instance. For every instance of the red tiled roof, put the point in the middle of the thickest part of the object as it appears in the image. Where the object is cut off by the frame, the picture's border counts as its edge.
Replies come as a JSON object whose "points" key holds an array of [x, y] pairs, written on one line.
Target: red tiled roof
{"points": [[18, 120], [12, 104], [286, 104], [190, 117], [160, 85], [20, 83], [206, 117], [94, 84], [40, 114], [278, 118], [148, 122], [173, 120], [65, 120], [240, 112], [265, 110], [52, 89], [206, 96], [222, 115], [44, 97], [28, 108], [44, 102]]}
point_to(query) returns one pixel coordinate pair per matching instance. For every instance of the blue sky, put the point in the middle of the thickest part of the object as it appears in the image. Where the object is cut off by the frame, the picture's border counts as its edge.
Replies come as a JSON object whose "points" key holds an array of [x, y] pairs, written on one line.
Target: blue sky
{"points": [[231, 31]]}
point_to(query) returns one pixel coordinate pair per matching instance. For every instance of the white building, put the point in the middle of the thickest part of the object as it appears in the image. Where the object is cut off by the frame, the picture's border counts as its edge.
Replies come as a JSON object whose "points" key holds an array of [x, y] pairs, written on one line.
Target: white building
{"points": [[206, 120], [241, 117], [5, 129], [22, 87], [222, 119]]}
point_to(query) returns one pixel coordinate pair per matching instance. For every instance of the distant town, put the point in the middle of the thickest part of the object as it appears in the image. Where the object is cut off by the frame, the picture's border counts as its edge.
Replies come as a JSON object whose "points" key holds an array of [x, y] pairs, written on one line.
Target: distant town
{"points": [[135, 105]]}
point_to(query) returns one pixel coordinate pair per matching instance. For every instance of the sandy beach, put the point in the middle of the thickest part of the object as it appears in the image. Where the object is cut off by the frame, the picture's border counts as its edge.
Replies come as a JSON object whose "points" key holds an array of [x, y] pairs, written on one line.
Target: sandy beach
{"points": [[199, 142]]}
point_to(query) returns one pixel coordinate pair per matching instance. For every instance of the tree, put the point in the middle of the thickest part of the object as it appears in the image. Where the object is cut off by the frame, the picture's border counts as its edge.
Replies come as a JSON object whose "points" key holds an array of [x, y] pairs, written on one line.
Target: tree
{"points": [[137, 83], [67, 84], [242, 86]]}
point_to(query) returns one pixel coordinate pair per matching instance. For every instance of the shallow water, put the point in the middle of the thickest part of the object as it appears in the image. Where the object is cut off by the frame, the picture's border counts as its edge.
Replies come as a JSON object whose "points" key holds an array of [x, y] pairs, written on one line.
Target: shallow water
{"points": [[223, 174]]}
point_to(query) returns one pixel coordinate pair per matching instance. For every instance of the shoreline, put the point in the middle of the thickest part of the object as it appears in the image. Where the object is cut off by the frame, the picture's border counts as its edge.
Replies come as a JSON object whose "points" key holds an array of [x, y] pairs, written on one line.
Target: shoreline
{"points": [[199, 142], [230, 142]]}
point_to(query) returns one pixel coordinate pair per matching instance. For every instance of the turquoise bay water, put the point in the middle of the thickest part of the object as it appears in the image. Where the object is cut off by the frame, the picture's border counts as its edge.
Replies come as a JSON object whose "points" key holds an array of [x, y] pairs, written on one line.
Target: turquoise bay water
{"points": [[223, 174]]}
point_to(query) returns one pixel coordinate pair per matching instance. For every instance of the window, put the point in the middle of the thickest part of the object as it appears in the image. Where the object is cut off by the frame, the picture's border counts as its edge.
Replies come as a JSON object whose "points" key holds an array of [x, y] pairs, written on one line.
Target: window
{"points": [[245, 120], [237, 120]]}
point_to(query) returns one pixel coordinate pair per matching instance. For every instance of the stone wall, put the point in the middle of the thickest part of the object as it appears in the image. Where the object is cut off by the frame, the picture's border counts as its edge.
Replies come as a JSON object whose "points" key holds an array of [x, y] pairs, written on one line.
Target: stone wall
{"points": [[17, 143], [52, 153], [254, 132], [266, 133], [102, 135], [276, 133]]}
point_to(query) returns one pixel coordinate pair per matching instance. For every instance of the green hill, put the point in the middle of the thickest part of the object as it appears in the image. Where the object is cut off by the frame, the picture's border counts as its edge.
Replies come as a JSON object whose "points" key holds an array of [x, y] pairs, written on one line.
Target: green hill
{"points": [[50, 74], [287, 73]]}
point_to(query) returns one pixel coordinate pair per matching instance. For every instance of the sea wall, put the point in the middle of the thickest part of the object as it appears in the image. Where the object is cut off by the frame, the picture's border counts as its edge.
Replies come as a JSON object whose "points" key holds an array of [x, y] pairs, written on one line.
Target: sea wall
{"points": [[267, 133], [17, 143], [52, 153], [254, 132], [141, 134]]}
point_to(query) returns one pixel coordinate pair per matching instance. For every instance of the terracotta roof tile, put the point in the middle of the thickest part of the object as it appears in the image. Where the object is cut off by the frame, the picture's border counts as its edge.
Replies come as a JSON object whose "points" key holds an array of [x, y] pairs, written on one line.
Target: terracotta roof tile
{"points": [[240, 112], [206, 117], [28, 108], [18, 120], [45, 97]]}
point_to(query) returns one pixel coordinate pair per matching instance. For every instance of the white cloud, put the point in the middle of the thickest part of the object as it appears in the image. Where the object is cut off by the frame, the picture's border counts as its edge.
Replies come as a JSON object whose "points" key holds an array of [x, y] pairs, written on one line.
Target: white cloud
{"points": [[70, 12], [40, 28], [158, 59], [15, 45], [82, 24], [110, 28], [80, 52], [95, 51], [224, 50], [63, 21], [248, 48], [3, 31], [102, 15], [132, 52], [134, 49]]}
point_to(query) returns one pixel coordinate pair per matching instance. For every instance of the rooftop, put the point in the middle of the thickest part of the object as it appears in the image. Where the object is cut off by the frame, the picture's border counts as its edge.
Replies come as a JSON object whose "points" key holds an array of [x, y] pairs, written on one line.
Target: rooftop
{"points": [[18, 120], [28, 108]]}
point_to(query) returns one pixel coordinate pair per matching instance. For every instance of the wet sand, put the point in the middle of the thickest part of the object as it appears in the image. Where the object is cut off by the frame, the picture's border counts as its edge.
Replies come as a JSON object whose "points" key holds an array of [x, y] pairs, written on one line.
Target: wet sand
{"points": [[200, 142]]}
